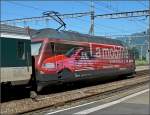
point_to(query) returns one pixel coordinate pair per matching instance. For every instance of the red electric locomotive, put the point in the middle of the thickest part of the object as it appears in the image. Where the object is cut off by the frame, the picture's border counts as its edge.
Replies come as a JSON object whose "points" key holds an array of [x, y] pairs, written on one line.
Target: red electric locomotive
{"points": [[63, 56]]}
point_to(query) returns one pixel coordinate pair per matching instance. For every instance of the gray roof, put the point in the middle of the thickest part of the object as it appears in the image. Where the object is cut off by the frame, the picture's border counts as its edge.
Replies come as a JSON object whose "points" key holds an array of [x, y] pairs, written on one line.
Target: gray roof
{"points": [[14, 29], [73, 36]]}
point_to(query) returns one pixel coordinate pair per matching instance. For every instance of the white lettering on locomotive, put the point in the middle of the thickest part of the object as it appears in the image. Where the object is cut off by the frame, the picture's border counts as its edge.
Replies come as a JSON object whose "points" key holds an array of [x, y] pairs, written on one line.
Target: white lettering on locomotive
{"points": [[114, 52]]}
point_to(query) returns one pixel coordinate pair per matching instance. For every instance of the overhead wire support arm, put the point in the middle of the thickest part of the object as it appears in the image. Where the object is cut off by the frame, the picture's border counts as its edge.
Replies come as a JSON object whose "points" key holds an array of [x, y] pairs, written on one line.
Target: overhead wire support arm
{"points": [[40, 18], [76, 15], [124, 14]]}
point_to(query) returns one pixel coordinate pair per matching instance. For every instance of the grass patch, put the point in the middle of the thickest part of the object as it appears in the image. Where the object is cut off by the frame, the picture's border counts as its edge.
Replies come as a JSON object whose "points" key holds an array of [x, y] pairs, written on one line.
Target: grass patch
{"points": [[141, 62]]}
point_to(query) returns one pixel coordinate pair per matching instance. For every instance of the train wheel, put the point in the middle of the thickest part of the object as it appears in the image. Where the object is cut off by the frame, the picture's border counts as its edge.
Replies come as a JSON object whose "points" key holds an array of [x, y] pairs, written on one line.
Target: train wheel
{"points": [[33, 91], [33, 94], [66, 75], [130, 75]]}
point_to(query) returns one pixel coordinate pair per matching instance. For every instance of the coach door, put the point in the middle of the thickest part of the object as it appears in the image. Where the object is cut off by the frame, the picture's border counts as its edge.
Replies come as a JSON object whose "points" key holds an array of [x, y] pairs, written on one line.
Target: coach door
{"points": [[24, 69]]}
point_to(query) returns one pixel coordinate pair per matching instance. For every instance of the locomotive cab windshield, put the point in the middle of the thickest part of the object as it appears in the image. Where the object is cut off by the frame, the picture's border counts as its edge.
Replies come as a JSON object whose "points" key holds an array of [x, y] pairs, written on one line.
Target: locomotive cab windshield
{"points": [[35, 48]]}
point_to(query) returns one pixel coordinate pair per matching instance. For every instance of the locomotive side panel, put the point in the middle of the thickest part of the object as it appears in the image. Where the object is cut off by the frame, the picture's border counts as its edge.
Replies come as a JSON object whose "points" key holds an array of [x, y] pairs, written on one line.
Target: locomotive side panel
{"points": [[75, 62], [114, 57]]}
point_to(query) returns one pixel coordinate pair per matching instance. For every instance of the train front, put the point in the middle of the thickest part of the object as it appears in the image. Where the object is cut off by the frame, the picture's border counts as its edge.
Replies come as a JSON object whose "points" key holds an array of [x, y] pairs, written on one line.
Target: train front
{"points": [[41, 50]]}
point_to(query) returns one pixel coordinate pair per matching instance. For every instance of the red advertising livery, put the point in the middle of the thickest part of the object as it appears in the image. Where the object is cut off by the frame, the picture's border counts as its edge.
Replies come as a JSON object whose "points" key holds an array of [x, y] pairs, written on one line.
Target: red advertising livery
{"points": [[70, 56]]}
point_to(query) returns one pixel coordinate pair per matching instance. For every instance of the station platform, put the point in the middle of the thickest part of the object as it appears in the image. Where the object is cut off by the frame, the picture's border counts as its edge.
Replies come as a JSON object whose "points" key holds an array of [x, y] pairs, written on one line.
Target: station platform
{"points": [[134, 104], [138, 105], [140, 68]]}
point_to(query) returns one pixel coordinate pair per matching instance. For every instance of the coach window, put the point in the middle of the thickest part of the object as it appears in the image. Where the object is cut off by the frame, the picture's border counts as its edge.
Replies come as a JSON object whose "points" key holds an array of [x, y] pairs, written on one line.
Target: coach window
{"points": [[21, 50]]}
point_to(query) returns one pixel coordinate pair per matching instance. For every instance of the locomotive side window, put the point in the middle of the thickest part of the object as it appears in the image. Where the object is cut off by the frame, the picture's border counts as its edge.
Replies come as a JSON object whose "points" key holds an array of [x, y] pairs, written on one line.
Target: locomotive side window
{"points": [[70, 52], [64, 48], [52, 47], [21, 50]]}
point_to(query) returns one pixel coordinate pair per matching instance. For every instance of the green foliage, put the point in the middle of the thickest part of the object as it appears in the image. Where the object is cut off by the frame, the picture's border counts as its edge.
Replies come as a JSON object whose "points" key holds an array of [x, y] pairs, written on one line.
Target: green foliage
{"points": [[141, 62], [135, 52]]}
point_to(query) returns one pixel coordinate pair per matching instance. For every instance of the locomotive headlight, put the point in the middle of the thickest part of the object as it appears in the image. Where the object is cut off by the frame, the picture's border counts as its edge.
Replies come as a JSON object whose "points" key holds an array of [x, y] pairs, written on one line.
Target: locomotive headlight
{"points": [[48, 65]]}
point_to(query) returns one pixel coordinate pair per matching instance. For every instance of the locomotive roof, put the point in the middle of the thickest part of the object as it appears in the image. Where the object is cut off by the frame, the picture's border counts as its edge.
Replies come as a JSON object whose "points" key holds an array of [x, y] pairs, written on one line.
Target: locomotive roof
{"points": [[74, 36]]}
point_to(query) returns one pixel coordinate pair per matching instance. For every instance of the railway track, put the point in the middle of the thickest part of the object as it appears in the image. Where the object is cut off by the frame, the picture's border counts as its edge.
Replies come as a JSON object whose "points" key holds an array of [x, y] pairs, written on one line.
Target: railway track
{"points": [[11, 93], [53, 100]]}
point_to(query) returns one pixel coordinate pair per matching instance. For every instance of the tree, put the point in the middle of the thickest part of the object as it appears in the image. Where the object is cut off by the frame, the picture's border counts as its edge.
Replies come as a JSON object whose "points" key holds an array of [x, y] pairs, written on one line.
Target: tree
{"points": [[135, 52]]}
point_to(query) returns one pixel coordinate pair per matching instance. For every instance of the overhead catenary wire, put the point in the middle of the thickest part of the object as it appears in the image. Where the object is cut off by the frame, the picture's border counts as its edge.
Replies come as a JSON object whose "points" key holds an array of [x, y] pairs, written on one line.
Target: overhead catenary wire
{"points": [[136, 36], [27, 6], [88, 5], [35, 8], [141, 2], [122, 30], [75, 15], [109, 8], [98, 26], [104, 26], [106, 7]]}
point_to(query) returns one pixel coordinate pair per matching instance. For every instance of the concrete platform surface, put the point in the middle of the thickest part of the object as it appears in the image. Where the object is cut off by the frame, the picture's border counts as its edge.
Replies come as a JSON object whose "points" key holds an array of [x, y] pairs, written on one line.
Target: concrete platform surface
{"points": [[135, 104], [140, 68]]}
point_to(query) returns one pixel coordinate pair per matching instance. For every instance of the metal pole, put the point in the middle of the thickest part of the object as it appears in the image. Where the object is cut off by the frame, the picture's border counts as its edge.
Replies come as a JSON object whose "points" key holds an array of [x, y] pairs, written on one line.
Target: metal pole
{"points": [[149, 51], [130, 41], [149, 36], [91, 31], [147, 47], [141, 55]]}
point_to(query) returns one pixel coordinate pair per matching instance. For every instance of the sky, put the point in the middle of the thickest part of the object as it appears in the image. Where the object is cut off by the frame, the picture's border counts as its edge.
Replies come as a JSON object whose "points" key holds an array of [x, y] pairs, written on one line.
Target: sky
{"points": [[108, 27]]}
